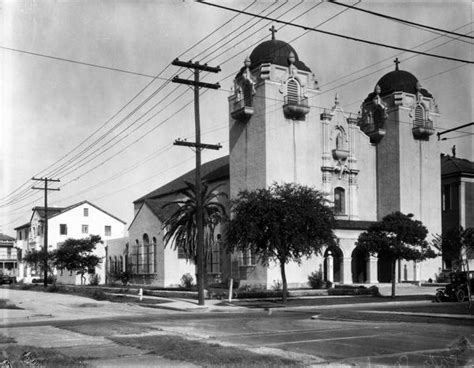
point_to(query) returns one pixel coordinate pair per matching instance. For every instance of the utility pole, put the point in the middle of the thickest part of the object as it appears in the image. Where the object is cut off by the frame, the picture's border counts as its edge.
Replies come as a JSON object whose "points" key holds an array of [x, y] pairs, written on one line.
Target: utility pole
{"points": [[198, 146], [45, 233]]}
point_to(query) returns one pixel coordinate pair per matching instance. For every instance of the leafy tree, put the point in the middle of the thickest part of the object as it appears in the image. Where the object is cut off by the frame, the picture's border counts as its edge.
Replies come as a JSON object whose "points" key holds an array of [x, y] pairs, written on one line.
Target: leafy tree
{"points": [[400, 237], [282, 224], [181, 225], [36, 259], [77, 255], [452, 242]]}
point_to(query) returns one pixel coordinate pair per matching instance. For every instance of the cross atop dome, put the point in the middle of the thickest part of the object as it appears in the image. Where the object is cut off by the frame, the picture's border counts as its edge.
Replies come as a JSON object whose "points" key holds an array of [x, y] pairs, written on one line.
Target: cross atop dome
{"points": [[396, 63], [273, 30]]}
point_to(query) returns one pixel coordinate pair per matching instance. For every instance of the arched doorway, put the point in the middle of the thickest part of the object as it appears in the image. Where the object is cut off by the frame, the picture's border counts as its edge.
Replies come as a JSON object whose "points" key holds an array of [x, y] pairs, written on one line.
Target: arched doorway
{"points": [[359, 265], [384, 267], [337, 257]]}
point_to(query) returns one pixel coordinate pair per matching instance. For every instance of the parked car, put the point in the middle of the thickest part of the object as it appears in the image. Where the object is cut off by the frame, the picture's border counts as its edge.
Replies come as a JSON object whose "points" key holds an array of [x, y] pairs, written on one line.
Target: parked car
{"points": [[456, 290], [7, 279]]}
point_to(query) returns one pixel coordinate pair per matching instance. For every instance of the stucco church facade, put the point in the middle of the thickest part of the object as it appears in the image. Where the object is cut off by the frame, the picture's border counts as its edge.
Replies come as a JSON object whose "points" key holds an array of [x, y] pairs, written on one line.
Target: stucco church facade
{"points": [[385, 159]]}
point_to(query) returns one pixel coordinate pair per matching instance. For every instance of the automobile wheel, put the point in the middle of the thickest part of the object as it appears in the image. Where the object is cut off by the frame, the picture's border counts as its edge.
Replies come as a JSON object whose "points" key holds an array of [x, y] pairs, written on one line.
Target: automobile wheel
{"points": [[439, 297], [460, 295]]}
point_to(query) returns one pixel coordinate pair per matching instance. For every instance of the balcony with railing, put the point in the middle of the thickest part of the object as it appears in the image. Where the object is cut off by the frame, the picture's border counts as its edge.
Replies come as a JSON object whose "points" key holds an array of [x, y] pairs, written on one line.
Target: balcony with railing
{"points": [[422, 129], [242, 110], [295, 108]]}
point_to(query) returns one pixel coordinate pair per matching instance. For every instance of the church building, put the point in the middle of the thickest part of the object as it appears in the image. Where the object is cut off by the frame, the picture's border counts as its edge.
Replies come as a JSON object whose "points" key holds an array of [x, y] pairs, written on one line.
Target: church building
{"points": [[385, 159]]}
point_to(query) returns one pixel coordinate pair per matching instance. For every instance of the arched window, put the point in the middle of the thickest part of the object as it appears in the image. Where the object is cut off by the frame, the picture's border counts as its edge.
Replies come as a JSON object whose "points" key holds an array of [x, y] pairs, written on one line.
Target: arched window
{"points": [[339, 201], [121, 269], [379, 119], [247, 89], [292, 91], [146, 252], [419, 115], [137, 256], [339, 141], [155, 265]]}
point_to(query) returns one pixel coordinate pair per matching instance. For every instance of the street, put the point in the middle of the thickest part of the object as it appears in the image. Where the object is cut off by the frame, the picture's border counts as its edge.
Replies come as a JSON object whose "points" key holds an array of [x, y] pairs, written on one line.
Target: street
{"points": [[295, 334]]}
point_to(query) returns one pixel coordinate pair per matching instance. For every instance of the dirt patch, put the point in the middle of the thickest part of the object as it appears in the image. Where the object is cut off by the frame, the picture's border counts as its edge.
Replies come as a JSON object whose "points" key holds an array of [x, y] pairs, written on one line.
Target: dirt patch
{"points": [[6, 304]]}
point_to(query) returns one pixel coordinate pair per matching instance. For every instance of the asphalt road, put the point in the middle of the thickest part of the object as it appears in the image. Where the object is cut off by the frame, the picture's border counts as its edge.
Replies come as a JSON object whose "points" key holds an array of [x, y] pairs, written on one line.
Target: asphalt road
{"points": [[287, 333]]}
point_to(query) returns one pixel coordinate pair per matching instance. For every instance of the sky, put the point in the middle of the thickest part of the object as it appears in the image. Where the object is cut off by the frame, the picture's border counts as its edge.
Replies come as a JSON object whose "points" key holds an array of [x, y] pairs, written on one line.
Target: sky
{"points": [[108, 135]]}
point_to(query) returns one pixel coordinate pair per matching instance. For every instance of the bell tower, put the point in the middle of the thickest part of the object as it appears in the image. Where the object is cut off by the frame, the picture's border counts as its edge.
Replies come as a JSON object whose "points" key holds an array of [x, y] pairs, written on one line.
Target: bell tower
{"points": [[399, 117], [273, 128]]}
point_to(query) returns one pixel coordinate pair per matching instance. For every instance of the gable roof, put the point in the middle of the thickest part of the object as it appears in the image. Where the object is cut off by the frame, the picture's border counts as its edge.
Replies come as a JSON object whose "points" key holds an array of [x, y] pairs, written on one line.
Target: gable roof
{"points": [[454, 166], [55, 211], [210, 171], [156, 207], [24, 226]]}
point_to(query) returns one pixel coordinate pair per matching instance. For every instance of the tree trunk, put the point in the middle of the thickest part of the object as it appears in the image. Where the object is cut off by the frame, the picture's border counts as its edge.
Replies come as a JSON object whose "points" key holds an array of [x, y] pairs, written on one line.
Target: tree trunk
{"points": [[283, 279], [394, 262]]}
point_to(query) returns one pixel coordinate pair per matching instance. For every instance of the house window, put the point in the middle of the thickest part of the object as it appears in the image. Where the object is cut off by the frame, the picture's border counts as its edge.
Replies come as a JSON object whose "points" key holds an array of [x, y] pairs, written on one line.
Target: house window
{"points": [[85, 229], [292, 91], [86, 212], [62, 229], [20, 235], [108, 230], [9, 253], [339, 201]]}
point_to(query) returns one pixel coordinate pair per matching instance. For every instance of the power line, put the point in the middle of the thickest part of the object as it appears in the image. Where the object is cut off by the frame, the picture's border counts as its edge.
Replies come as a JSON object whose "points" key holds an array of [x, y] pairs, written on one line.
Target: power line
{"points": [[336, 34], [21, 194], [77, 62], [400, 20]]}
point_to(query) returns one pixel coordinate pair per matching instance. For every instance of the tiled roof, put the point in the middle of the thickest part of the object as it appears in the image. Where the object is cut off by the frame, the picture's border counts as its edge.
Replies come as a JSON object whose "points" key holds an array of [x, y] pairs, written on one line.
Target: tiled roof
{"points": [[210, 171], [453, 165], [6, 238]]}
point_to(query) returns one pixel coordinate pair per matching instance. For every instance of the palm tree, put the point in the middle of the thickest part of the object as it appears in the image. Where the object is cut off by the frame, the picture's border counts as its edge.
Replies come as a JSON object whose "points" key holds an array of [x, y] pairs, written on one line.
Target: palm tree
{"points": [[181, 225]]}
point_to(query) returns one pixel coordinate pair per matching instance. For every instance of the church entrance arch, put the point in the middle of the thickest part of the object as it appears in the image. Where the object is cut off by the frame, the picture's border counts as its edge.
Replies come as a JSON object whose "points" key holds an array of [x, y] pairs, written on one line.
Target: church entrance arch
{"points": [[360, 258], [336, 264], [384, 267]]}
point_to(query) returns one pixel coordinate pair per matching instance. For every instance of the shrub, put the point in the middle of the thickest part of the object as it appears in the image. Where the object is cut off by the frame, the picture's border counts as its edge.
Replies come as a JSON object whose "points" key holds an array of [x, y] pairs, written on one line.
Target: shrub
{"points": [[94, 279], [125, 277], [98, 294], [277, 285], [315, 280], [52, 288], [51, 279], [186, 281]]}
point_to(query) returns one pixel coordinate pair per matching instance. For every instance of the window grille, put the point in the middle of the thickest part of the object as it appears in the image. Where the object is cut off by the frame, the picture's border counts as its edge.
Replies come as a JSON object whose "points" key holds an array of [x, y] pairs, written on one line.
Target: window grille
{"points": [[292, 92], [419, 115]]}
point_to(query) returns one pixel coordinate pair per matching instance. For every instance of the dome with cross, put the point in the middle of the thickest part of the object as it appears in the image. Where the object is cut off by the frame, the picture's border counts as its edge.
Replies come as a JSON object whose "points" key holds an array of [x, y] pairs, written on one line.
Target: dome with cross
{"points": [[398, 81], [275, 52]]}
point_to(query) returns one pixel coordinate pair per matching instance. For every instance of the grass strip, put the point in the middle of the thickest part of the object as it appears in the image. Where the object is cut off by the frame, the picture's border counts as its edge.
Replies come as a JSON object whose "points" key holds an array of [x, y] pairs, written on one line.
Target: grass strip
{"points": [[21, 356], [202, 353]]}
